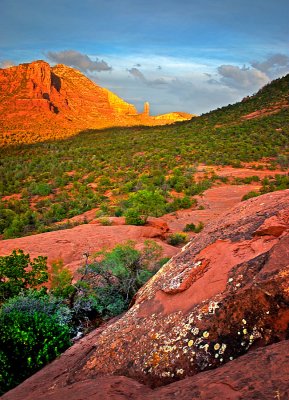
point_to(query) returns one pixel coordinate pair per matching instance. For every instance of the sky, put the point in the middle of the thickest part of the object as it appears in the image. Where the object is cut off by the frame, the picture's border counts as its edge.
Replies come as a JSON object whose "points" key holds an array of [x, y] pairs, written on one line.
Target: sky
{"points": [[180, 55]]}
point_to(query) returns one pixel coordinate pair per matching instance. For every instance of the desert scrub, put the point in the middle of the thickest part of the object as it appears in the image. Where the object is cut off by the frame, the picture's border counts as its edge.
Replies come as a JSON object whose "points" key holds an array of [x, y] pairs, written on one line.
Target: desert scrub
{"points": [[177, 238], [194, 228]]}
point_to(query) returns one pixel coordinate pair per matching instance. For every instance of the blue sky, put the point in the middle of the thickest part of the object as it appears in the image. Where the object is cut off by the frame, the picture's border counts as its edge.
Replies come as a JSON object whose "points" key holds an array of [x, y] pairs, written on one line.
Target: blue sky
{"points": [[180, 55]]}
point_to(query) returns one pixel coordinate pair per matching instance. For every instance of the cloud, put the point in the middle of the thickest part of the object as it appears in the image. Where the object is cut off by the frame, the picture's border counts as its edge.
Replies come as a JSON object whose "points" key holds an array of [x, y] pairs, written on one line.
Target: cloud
{"points": [[253, 77], [136, 73], [78, 60], [242, 78], [273, 65], [6, 64]]}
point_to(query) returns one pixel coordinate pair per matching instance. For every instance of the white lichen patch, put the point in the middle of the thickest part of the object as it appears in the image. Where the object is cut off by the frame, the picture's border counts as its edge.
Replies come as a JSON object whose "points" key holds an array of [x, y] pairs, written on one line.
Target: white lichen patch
{"points": [[195, 331], [213, 306], [223, 348]]}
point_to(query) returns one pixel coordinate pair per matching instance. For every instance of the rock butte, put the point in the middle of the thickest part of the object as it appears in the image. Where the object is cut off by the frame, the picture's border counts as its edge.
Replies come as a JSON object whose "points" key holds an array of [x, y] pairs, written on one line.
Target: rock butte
{"points": [[225, 294], [39, 102]]}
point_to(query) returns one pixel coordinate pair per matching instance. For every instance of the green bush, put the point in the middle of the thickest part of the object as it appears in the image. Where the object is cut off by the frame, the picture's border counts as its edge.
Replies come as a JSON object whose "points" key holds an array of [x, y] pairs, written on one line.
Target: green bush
{"points": [[146, 203], [177, 238], [133, 217], [109, 284], [33, 331], [18, 272], [250, 195], [61, 279]]}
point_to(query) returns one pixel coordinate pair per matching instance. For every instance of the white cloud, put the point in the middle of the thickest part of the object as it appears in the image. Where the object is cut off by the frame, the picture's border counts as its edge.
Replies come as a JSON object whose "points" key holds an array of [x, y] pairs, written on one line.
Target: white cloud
{"points": [[78, 60], [242, 78]]}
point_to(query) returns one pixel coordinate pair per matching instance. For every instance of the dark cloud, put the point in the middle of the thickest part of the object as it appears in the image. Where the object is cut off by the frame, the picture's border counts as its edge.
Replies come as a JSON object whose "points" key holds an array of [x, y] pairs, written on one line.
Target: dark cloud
{"points": [[78, 60], [136, 73], [273, 65]]}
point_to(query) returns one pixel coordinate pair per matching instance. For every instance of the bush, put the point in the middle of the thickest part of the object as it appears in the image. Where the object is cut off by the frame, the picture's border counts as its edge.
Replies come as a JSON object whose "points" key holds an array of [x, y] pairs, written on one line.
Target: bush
{"points": [[33, 331], [194, 228], [133, 217], [145, 203], [105, 221], [177, 238], [61, 278], [250, 195], [18, 273], [109, 284]]}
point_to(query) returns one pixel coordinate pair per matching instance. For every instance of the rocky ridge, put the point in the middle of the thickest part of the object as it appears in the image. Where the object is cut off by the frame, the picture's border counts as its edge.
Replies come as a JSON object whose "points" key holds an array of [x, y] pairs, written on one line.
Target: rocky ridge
{"points": [[39, 102], [224, 295]]}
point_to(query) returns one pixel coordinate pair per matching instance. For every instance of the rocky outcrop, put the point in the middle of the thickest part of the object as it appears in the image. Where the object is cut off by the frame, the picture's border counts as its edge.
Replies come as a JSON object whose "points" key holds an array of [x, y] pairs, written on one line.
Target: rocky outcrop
{"points": [[261, 374], [224, 295], [175, 116], [38, 102]]}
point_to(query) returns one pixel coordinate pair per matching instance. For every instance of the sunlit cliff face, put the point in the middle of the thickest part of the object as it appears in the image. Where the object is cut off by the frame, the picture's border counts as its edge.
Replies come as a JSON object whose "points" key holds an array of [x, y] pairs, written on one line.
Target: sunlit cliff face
{"points": [[60, 101]]}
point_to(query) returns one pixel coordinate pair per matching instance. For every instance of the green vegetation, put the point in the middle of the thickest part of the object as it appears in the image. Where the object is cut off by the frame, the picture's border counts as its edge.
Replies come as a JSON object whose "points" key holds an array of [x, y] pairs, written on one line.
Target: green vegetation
{"points": [[37, 325], [33, 331], [194, 228], [53, 181], [18, 274], [279, 182], [177, 238]]}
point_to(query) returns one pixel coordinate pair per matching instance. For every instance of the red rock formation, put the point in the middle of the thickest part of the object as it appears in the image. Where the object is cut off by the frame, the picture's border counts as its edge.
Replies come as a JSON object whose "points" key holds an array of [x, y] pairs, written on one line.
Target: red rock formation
{"points": [[38, 102], [261, 374], [70, 244], [225, 294]]}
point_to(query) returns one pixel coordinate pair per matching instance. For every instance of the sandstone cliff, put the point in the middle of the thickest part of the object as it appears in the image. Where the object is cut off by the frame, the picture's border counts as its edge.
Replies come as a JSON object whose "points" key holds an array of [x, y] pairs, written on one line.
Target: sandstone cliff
{"points": [[38, 102]]}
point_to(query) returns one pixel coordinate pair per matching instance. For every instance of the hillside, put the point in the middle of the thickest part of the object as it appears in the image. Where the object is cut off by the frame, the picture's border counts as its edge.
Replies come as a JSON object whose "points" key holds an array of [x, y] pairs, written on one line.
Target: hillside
{"points": [[46, 183], [39, 102]]}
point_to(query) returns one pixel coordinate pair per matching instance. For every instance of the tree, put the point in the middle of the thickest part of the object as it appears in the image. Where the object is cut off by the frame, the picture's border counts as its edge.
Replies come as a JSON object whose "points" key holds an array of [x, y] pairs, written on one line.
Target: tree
{"points": [[145, 203], [18, 273]]}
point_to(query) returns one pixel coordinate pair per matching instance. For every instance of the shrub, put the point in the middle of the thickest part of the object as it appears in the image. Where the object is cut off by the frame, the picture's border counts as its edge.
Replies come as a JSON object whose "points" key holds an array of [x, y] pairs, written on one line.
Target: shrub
{"points": [[33, 331], [109, 284], [177, 238], [61, 278], [18, 273], [133, 217], [145, 203], [105, 221], [250, 195]]}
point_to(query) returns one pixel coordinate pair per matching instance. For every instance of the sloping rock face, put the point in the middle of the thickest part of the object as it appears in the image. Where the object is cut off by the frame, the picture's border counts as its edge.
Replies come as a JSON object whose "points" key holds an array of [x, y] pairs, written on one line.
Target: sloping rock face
{"points": [[261, 374], [225, 294], [38, 102]]}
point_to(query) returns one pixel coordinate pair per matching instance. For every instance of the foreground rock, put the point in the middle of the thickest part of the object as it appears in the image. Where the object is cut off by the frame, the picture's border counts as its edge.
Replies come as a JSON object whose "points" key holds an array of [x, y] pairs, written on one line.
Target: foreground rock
{"points": [[261, 374], [225, 294]]}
